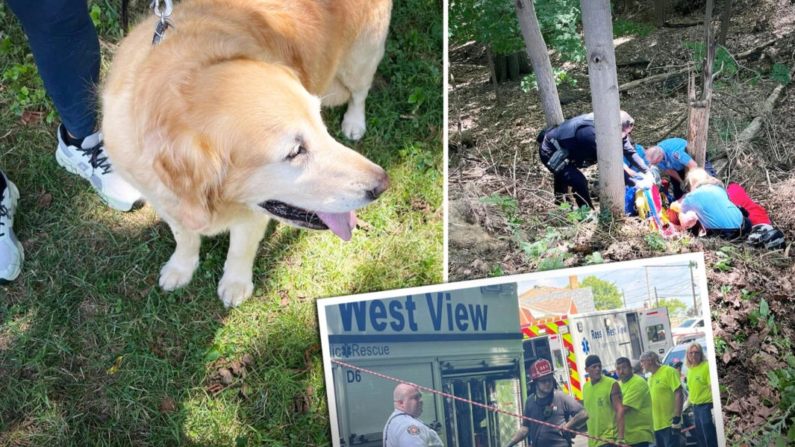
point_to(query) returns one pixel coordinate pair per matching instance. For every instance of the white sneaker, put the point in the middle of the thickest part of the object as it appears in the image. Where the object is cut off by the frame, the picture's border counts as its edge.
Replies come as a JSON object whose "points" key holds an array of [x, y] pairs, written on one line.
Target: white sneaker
{"points": [[91, 162], [11, 255]]}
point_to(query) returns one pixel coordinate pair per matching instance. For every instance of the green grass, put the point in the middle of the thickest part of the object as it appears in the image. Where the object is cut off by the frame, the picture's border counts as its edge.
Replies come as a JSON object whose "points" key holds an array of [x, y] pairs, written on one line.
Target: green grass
{"points": [[623, 27], [88, 293]]}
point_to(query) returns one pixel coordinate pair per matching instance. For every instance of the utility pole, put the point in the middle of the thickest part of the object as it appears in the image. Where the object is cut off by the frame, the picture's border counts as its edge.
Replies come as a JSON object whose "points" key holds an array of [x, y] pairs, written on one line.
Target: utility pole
{"points": [[648, 285], [693, 288], [624, 295], [656, 297]]}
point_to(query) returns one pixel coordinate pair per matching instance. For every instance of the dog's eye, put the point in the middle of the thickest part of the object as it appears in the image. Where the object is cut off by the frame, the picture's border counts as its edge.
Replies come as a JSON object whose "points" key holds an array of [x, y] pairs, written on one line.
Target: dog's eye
{"points": [[298, 150]]}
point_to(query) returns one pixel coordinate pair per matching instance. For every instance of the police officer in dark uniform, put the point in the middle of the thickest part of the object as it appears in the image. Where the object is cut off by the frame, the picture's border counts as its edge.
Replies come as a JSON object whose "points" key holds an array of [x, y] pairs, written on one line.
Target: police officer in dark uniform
{"points": [[572, 145]]}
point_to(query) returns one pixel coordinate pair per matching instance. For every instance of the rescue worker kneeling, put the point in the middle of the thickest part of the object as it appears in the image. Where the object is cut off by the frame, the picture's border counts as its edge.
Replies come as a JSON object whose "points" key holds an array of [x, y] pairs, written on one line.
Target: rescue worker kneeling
{"points": [[551, 406], [572, 145], [708, 203]]}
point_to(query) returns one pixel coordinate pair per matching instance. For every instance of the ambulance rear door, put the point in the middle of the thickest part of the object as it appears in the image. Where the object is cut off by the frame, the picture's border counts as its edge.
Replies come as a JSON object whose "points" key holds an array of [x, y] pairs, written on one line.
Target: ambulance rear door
{"points": [[560, 367], [655, 330]]}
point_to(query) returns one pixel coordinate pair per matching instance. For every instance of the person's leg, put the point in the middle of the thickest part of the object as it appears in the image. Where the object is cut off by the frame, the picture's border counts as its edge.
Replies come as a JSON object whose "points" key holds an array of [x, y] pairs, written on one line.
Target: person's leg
{"points": [[640, 444], [665, 438], [705, 427], [739, 197], [545, 152], [579, 185], [66, 50], [698, 432], [560, 189], [11, 255], [659, 439], [710, 170]]}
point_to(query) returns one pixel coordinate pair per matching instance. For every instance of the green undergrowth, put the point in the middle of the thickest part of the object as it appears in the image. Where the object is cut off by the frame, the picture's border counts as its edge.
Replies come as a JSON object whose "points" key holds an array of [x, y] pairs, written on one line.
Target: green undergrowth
{"points": [[623, 27]]}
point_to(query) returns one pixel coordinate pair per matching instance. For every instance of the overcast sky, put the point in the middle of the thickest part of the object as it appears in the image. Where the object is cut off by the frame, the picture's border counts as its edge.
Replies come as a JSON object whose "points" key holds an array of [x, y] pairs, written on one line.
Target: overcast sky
{"points": [[671, 279]]}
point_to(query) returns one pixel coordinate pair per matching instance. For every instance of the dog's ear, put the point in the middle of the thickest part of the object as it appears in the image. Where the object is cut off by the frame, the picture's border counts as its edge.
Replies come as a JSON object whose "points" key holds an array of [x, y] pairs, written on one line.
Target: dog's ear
{"points": [[189, 165]]}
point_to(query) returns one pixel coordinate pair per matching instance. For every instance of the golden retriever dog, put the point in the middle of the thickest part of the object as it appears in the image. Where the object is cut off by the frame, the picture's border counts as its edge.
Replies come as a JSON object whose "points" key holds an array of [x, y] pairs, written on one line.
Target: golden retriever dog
{"points": [[219, 125]]}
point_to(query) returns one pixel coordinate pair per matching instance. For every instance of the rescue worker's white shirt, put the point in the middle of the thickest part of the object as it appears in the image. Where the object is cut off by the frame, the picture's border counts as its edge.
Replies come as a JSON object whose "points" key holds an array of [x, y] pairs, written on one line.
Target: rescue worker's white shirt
{"points": [[404, 430]]}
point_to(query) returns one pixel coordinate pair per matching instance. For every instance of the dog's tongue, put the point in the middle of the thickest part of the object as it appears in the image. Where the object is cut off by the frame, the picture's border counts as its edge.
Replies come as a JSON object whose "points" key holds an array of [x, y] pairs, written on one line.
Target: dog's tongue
{"points": [[340, 224]]}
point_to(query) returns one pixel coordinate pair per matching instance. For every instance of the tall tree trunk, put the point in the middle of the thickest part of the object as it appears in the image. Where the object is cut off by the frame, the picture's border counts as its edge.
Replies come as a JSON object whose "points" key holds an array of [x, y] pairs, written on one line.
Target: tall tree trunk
{"points": [[725, 21], [699, 108], [537, 50], [513, 66], [597, 26], [660, 12], [490, 57]]}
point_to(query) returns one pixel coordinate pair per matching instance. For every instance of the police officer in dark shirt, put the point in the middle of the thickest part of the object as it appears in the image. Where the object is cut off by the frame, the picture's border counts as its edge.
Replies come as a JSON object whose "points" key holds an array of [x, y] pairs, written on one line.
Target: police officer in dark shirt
{"points": [[551, 406], [572, 145]]}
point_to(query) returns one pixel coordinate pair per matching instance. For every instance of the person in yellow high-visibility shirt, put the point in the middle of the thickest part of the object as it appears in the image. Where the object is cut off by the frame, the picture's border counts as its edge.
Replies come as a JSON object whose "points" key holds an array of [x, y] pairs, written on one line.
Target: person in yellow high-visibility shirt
{"points": [[639, 426], [666, 400], [602, 401], [699, 383]]}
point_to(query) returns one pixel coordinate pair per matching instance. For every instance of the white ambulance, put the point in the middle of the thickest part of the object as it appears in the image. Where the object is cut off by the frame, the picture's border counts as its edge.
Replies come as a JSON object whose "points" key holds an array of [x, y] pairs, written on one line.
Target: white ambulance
{"points": [[464, 342], [567, 340]]}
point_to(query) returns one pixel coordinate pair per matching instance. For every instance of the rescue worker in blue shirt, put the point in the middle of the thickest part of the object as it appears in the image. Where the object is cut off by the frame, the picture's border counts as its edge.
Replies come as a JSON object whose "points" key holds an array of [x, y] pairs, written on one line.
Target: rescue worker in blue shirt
{"points": [[403, 428], [572, 145], [671, 155]]}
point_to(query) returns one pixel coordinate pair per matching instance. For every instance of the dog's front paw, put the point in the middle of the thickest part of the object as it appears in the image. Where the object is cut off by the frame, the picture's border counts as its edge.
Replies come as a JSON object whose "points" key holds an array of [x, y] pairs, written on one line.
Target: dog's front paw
{"points": [[353, 126], [234, 291], [176, 274]]}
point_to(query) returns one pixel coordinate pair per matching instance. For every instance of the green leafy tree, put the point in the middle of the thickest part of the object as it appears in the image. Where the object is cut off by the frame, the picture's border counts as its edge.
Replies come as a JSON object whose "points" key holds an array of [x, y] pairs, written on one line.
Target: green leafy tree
{"points": [[605, 293], [486, 21], [676, 308], [494, 22], [559, 21]]}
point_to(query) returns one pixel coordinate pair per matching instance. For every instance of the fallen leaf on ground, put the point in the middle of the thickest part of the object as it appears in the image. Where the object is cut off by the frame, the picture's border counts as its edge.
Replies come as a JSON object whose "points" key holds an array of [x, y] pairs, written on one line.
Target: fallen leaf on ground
{"points": [[44, 200], [29, 117], [115, 368], [168, 405]]}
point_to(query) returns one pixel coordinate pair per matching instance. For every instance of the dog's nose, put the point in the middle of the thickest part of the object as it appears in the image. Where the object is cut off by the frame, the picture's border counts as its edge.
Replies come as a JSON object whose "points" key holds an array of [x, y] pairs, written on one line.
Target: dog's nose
{"points": [[380, 187]]}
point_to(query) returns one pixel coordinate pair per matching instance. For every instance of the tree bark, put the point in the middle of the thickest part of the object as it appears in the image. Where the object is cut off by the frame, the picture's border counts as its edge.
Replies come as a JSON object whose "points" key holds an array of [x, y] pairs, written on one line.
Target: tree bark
{"points": [[493, 75], [598, 29], [513, 66], [699, 108], [537, 50], [660, 12], [725, 21]]}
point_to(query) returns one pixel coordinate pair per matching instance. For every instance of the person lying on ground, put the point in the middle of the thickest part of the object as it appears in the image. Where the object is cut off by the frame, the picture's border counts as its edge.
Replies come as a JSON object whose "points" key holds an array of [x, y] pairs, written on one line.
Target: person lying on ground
{"points": [[671, 156], [572, 145]]}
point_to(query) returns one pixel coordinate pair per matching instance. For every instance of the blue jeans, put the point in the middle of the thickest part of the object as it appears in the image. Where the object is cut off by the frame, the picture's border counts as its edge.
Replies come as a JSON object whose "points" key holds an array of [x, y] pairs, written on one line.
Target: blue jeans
{"points": [[664, 438], [705, 432], [65, 46]]}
